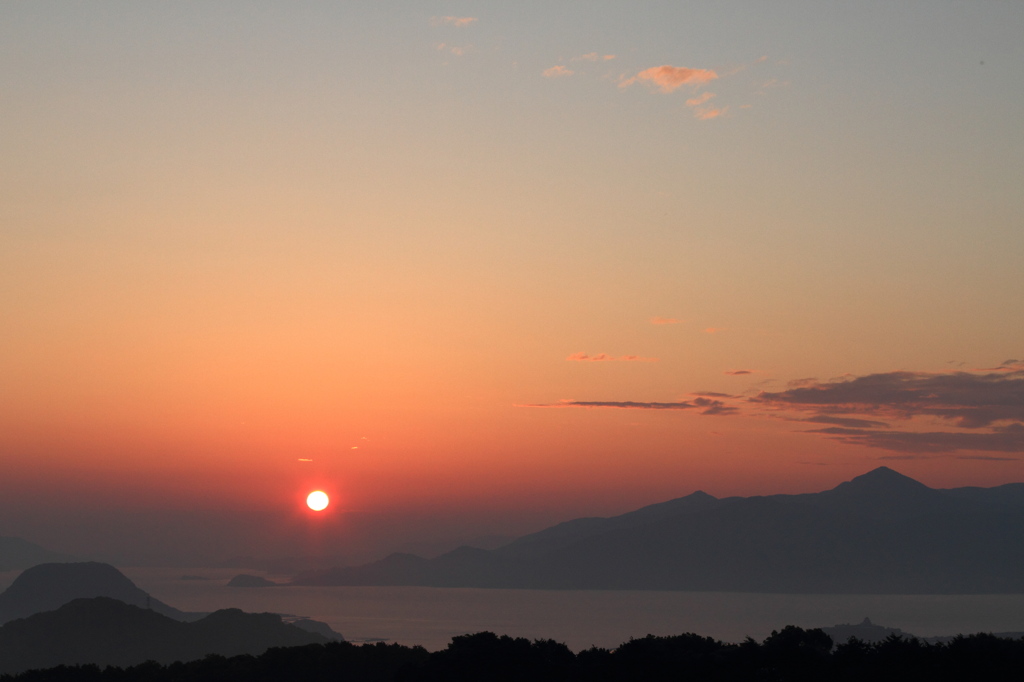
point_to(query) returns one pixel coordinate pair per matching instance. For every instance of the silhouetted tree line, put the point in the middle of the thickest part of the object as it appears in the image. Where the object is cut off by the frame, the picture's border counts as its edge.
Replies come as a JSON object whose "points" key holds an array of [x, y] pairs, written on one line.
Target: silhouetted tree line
{"points": [[791, 654]]}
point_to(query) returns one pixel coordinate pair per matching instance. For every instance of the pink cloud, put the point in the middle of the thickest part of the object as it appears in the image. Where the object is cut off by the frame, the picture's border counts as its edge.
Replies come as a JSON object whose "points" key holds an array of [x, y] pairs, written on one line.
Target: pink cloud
{"points": [[665, 320], [593, 57], [714, 330], [708, 113], [697, 101], [668, 78], [452, 21], [557, 72], [604, 357]]}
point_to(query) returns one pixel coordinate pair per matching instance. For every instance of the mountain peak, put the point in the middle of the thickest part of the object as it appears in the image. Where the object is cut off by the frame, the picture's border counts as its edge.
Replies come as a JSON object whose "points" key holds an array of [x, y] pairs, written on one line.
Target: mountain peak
{"points": [[884, 493], [884, 479]]}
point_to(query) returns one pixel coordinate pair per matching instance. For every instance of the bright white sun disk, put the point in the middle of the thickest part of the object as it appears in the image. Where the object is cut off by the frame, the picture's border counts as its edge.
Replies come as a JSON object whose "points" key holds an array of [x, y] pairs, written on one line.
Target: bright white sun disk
{"points": [[317, 500]]}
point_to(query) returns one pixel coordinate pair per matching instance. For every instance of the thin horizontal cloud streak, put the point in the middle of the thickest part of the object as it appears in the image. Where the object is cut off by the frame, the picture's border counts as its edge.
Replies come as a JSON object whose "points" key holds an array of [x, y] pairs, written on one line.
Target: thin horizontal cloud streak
{"points": [[458, 22], [557, 72], [666, 320], [708, 113], [849, 422], [984, 410], [707, 406], [1010, 365], [604, 357], [930, 441]]}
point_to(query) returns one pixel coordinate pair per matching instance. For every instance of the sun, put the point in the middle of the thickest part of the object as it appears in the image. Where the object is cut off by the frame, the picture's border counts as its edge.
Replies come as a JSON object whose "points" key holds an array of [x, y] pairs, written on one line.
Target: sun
{"points": [[317, 500]]}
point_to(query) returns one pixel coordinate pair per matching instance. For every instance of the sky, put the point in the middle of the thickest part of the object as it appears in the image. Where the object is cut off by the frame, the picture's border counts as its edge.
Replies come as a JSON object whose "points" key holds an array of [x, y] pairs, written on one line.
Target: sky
{"points": [[474, 268]]}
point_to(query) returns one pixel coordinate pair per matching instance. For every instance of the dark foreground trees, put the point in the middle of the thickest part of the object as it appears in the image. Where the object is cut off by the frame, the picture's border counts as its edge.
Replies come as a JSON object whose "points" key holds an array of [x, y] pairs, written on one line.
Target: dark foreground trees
{"points": [[790, 654]]}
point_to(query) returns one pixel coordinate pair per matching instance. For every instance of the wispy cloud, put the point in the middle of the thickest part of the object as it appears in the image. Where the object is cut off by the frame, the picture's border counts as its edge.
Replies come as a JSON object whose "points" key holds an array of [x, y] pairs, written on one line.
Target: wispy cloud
{"points": [[771, 84], [701, 112], [666, 320], [452, 21], [968, 399], [699, 99], [713, 330], [708, 113], [1010, 365], [848, 422], [706, 406], [738, 372], [986, 409], [557, 72], [930, 441], [604, 357], [668, 78], [970, 412], [593, 57]]}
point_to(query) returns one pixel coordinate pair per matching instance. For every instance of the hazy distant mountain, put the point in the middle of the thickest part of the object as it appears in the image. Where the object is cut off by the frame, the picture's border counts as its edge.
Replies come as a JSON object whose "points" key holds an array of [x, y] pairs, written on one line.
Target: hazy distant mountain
{"points": [[109, 632], [17, 553], [246, 580], [881, 532], [865, 631], [49, 586]]}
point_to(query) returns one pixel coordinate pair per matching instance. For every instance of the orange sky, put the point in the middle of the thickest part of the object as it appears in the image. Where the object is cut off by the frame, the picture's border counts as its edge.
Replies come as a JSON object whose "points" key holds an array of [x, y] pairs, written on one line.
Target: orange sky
{"points": [[236, 238]]}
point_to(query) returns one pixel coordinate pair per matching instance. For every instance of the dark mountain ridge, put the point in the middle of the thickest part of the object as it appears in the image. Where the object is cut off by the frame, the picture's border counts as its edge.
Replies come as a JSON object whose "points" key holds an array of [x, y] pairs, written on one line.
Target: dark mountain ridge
{"points": [[49, 586], [104, 631], [881, 532]]}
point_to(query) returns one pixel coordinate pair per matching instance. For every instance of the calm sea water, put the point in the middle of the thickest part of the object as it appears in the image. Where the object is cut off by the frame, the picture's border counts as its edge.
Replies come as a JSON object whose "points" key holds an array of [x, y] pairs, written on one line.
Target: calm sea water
{"points": [[432, 616]]}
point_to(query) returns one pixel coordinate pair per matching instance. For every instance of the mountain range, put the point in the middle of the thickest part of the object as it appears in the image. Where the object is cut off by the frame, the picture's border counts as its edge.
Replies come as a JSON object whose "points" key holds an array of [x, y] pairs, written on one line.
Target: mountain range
{"points": [[47, 587], [881, 532], [89, 612], [104, 631]]}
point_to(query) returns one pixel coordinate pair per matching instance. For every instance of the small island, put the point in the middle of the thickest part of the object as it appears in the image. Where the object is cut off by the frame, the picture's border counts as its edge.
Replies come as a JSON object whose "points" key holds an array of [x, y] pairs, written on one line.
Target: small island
{"points": [[245, 580]]}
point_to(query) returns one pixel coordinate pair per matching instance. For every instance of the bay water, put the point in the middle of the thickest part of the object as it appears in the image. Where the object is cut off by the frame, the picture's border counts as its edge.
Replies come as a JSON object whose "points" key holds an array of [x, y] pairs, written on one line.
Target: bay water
{"points": [[580, 618]]}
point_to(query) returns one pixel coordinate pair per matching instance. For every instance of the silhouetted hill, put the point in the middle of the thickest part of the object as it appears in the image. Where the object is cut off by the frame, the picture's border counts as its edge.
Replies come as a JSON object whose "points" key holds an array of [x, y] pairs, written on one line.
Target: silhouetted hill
{"points": [[17, 553], [1010, 495], [105, 631], [791, 654], [881, 532], [49, 586], [864, 631]]}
